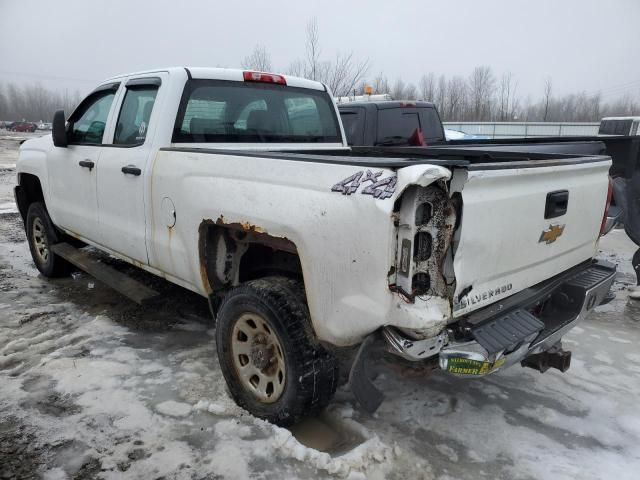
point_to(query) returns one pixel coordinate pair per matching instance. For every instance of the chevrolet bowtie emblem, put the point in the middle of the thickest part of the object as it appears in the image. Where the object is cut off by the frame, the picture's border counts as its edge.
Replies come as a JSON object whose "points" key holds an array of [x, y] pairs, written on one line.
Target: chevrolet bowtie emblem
{"points": [[552, 234]]}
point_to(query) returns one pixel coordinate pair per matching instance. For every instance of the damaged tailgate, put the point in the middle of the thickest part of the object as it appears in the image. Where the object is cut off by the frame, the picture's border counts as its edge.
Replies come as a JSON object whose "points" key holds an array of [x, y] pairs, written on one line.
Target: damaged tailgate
{"points": [[523, 223]]}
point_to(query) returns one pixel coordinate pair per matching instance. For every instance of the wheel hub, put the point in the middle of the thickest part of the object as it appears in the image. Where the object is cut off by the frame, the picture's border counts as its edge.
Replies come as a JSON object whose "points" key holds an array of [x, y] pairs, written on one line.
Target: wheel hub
{"points": [[262, 353], [40, 240], [258, 357]]}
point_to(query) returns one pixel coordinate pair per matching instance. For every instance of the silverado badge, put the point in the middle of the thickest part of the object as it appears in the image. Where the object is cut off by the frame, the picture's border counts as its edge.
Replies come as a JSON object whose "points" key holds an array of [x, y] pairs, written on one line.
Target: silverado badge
{"points": [[551, 235]]}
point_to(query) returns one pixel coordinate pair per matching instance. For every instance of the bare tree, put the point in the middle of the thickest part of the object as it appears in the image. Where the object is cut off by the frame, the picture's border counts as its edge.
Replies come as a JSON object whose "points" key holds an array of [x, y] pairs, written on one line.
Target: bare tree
{"points": [[441, 94], [624, 105], [546, 99], [456, 96], [410, 92], [398, 89], [313, 49], [258, 60], [381, 84], [4, 105], [344, 74], [296, 68], [506, 96], [427, 86], [481, 89]]}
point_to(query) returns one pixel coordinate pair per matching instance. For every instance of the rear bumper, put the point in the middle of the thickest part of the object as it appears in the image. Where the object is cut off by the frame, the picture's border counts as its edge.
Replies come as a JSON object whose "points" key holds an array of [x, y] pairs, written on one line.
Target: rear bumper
{"points": [[525, 324]]}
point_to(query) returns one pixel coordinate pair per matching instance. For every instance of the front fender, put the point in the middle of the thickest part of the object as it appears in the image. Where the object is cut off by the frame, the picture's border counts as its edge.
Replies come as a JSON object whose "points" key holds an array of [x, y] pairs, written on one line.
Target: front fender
{"points": [[32, 160]]}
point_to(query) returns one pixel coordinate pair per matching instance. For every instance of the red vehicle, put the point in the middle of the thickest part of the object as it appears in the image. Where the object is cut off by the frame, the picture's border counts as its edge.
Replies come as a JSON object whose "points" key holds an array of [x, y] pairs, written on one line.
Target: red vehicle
{"points": [[23, 127]]}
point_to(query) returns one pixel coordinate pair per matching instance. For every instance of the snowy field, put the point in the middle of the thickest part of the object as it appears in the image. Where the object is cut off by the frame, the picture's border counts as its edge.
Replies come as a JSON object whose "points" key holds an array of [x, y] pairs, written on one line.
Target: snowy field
{"points": [[93, 386]]}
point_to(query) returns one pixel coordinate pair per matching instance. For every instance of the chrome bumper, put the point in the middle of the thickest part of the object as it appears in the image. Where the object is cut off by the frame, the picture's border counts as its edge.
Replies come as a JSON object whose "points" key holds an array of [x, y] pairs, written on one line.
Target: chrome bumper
{"points": [[509, 338]]}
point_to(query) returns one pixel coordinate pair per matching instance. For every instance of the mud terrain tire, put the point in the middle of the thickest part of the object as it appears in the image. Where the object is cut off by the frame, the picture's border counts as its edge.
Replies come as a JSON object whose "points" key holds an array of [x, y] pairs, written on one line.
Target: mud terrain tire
{"points": [[41, 235], [310, 371]]}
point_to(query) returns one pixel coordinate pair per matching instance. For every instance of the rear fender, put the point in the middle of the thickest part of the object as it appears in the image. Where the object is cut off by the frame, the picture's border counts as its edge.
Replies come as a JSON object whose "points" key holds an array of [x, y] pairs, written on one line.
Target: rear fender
{"points": [[421, 175]]}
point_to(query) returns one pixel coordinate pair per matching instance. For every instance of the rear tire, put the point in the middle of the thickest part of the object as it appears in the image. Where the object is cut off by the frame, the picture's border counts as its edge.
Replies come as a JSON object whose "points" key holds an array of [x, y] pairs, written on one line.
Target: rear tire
{"points": [[41, 235], [272, 364]]}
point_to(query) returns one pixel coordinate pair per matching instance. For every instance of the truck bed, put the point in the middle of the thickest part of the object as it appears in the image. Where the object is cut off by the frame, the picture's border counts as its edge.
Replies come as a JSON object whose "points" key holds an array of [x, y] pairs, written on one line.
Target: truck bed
{"points": [[398, 157], [623, 150]]}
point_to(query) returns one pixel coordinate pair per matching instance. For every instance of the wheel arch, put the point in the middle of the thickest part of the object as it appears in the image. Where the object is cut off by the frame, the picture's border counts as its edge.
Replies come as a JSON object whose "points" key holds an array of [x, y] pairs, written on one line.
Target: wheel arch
{"points": [[233, 253], [28, 190]]}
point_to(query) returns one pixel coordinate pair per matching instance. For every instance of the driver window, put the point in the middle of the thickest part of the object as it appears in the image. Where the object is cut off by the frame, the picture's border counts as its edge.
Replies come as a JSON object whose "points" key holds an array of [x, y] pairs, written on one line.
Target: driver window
{"points": [[88, 123]]}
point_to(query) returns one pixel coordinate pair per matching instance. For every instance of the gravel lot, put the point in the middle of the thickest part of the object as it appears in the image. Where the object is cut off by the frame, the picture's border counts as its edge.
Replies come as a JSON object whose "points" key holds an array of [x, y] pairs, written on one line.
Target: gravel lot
{"points": [[93, 386]]}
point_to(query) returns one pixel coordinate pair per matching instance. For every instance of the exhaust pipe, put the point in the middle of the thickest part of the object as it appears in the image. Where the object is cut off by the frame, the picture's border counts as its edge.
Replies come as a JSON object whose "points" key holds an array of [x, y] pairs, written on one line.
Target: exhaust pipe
{"points": [[558, 359]]}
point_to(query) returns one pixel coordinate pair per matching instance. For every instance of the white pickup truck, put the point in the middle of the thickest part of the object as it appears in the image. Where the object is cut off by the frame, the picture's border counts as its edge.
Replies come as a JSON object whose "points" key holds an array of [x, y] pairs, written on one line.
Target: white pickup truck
{"points": [[240, 186]]}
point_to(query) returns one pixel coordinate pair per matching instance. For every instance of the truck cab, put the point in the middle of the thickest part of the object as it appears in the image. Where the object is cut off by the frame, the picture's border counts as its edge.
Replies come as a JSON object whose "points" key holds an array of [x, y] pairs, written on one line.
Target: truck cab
{"points": [[391, 123]]}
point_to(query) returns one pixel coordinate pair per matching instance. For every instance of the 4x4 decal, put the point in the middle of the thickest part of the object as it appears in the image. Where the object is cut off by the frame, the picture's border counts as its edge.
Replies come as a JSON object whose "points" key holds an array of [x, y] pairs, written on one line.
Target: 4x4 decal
{"points": [[381, 189]]}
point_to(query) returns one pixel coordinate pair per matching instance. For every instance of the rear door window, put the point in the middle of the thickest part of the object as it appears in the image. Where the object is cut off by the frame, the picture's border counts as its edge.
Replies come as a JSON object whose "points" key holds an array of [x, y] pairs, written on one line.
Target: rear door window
{"points": [[250, 112], [135, 114], [353, 124], [431, 125]]}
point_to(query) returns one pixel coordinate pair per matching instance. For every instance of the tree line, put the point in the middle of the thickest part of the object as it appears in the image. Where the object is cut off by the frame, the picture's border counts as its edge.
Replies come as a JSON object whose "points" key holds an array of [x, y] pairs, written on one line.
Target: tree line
{"points": [[34, 102], [482, 95]]}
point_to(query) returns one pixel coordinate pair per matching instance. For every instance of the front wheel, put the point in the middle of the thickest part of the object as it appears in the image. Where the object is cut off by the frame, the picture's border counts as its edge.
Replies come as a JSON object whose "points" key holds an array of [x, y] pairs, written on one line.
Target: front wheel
{"points": [[41, 235], [272, 365]]}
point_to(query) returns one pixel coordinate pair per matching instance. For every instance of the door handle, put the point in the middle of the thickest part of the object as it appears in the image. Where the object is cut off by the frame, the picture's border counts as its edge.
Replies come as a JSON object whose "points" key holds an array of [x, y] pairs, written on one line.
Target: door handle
{"points": [[132, 170], [557, 204], [87, 164]]}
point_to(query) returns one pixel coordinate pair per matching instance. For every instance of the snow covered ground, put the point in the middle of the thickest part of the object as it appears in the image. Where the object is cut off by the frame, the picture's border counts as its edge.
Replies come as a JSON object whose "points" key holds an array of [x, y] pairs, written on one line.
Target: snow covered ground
{"points": [[93, 386]]}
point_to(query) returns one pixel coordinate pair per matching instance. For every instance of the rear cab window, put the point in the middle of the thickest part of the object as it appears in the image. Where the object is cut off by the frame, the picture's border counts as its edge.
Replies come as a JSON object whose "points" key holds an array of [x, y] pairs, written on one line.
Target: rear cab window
{"points": [[220, 111], [615, 127], [397, 125]]}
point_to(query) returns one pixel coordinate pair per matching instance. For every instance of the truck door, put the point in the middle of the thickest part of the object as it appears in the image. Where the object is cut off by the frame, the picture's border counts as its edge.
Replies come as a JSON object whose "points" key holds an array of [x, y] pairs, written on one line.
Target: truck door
{"points": [[73, 170], [123, 169]]}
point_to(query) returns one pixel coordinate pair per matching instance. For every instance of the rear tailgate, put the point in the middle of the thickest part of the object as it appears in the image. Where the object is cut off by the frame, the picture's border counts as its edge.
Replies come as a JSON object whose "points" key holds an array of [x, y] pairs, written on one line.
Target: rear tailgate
{"points": [[505, 243]]}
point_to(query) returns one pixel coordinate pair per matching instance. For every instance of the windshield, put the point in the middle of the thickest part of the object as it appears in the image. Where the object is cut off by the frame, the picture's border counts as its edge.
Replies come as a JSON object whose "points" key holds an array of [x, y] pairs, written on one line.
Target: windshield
{"points": [[216, 111]]}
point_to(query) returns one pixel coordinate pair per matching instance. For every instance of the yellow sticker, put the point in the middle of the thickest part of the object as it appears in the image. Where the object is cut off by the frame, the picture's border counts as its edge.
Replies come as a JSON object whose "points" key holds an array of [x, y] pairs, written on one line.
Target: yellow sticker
{"points": [[468, 366]]}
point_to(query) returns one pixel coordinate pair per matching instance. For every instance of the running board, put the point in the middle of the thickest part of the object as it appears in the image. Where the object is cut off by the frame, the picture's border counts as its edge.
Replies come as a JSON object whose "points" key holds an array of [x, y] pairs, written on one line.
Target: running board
{"points": [[124, 284]]}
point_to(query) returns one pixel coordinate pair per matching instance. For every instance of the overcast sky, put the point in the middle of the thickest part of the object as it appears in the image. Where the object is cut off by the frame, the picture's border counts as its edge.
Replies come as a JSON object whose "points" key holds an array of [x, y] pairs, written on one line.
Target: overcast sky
{"points": [[590, 45]]}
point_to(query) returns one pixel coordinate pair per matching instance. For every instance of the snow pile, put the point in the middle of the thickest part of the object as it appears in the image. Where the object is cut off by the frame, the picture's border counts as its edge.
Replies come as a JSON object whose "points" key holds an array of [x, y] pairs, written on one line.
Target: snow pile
{"points": [[282, 441], [358, 459]]}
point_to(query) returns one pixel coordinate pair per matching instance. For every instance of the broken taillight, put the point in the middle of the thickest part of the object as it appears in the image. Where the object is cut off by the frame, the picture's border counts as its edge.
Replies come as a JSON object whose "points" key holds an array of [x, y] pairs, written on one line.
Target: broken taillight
{"points": [[606, 207], [264, 77]]}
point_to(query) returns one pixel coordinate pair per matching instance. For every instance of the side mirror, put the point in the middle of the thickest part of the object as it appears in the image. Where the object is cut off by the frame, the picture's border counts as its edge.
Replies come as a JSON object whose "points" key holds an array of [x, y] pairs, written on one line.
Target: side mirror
{"points": [[59, 129]]}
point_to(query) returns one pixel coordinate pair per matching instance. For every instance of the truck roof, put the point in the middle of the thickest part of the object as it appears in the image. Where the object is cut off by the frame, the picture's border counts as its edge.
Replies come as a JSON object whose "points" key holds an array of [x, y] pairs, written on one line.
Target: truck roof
{"points": [[621, 118], [380, 105], [211, 73]]}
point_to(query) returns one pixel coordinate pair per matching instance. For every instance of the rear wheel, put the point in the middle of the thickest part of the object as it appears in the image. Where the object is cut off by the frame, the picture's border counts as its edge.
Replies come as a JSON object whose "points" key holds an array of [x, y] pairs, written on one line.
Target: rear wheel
{"points": [[41, 235], [273, 366]]}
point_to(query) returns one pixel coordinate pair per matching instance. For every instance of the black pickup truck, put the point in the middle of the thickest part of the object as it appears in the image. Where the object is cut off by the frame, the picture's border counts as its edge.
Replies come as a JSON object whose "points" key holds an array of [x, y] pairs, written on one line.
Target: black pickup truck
{"points": [[391, 123], [404, 126]]}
